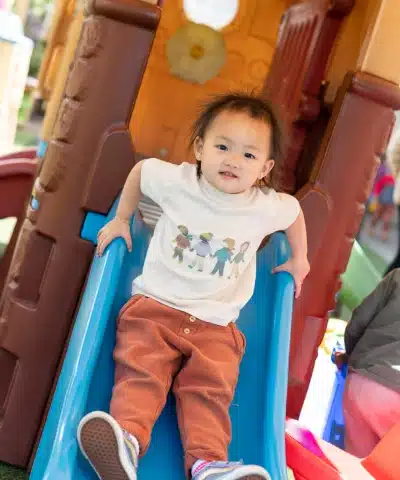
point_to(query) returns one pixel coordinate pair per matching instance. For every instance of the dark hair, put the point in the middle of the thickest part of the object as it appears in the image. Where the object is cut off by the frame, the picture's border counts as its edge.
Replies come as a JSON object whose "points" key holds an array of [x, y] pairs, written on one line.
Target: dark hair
{"points": [[256, 107]]}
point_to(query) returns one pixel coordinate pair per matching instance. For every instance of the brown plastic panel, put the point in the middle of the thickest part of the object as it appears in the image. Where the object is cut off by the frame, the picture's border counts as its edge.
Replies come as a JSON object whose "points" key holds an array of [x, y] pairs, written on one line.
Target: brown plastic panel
{"points": [[17, 173], [87, 161], [333, 203], [306, 37]]}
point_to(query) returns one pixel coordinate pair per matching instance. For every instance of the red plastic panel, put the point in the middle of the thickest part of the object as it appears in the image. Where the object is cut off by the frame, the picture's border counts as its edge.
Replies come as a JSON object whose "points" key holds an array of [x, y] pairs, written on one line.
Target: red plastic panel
{"points": [[333, 204], [305, 41]]}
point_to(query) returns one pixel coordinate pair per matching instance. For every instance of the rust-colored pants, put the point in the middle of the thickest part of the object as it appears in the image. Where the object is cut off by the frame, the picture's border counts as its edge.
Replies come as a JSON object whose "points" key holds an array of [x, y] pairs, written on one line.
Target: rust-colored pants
{"points": [[158, 346]]}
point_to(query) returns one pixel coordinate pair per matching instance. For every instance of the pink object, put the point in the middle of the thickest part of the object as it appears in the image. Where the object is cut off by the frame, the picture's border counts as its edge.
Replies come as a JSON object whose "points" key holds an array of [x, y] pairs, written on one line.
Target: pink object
{"points": [[370, 411], [304, 437], [311, 458], [383, 182]]}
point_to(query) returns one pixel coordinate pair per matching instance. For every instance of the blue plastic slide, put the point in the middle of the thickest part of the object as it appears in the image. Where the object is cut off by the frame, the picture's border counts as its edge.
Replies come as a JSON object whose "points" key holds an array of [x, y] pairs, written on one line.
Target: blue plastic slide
{"points": [[258, 410]]}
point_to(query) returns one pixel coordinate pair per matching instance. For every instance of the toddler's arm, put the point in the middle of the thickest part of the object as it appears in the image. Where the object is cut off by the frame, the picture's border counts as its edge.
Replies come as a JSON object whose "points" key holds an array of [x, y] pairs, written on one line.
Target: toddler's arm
{"points": [[131, 194], [120, 225], [298, 265]]}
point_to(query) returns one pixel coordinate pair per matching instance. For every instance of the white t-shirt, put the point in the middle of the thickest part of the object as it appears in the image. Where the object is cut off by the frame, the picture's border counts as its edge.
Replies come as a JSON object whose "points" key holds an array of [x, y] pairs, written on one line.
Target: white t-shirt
{"points": [[202, 256]]}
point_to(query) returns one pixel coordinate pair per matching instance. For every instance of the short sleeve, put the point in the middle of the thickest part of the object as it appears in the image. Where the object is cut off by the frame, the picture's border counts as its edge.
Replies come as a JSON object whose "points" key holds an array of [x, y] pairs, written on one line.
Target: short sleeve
{"points": [[283, 208], [157, 177]]}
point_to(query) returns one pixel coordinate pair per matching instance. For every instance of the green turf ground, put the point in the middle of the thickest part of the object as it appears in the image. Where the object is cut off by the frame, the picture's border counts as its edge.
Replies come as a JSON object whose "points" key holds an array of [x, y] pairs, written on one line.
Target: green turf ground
{"points": [[10, 473]]}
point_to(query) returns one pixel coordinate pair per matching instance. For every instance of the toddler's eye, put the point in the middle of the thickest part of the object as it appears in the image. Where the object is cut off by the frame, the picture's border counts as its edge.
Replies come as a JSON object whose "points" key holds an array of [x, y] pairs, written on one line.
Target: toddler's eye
{"points": [[222, 147], [249, 155]]}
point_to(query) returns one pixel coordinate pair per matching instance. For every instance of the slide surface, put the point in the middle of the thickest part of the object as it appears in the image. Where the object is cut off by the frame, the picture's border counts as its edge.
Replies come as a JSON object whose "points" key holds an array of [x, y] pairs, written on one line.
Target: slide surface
{"points": [[258, 410]]}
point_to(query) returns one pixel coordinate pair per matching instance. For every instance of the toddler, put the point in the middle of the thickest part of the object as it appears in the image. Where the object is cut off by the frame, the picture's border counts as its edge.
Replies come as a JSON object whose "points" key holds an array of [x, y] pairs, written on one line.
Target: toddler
{"points": [[179, 327]]}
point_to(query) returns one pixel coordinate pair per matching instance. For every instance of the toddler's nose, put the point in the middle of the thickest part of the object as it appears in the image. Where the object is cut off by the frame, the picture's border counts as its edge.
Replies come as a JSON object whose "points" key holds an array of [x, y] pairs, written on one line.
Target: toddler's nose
{"points": [[233, 161]]}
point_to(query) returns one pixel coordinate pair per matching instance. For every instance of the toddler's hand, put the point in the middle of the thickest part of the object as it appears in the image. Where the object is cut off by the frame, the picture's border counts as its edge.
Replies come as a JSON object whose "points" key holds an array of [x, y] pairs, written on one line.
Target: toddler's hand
{"points": [[299, 268], [115, 228]]}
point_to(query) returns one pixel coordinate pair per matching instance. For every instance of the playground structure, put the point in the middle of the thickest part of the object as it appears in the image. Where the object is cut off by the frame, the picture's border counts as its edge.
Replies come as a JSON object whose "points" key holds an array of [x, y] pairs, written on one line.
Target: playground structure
{"points": [[258, 398], [311, 458], [330, 185], [17, 173], [62, 185], [63, 39], [57, 39]]}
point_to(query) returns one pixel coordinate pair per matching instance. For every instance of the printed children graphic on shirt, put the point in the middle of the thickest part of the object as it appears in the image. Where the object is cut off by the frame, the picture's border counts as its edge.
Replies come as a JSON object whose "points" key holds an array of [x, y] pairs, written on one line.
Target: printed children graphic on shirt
{"points": [[202, 249], [238, 259], [182, 242], [223, 255]]}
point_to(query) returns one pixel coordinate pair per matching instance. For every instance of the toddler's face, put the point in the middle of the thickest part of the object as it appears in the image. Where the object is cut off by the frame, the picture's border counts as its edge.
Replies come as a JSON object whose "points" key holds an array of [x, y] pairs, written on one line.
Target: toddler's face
{"points": [[235, 152]]}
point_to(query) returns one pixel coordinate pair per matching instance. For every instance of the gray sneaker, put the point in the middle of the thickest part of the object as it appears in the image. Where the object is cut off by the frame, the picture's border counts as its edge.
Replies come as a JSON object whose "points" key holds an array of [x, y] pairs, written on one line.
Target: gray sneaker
{"points": [[231, 471], [107, 447]]}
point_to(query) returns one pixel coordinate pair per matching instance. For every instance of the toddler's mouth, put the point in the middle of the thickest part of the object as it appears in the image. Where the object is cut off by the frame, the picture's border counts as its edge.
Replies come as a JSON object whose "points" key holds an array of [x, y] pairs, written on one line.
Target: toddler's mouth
{"points": [[228, 175]]}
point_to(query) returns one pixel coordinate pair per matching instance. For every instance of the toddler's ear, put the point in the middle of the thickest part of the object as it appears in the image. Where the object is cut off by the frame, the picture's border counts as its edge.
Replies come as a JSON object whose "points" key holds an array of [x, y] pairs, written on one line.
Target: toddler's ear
{"points": [[198, 148], [268, 166]]}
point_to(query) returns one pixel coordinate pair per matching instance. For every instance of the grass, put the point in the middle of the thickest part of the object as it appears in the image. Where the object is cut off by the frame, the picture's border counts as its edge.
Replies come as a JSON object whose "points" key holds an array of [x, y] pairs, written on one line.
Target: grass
{"points": [[11, 473], [25, 108], [25, 139]]}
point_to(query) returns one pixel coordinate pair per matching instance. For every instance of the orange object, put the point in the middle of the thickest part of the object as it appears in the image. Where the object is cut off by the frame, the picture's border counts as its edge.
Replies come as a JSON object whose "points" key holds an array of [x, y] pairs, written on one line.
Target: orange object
{"points": [[383, 463], [305, 464], [312, 458]]}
